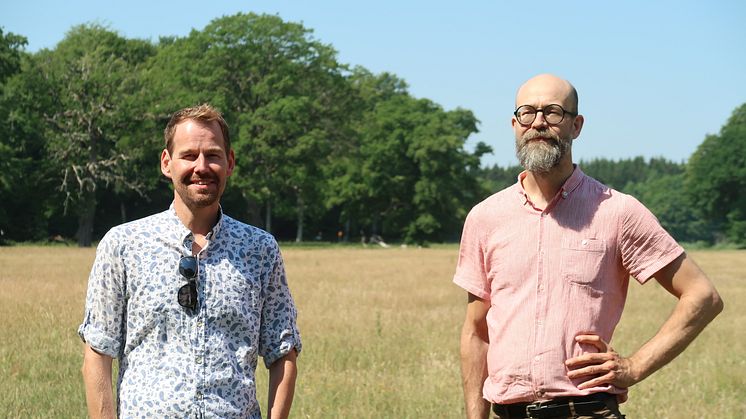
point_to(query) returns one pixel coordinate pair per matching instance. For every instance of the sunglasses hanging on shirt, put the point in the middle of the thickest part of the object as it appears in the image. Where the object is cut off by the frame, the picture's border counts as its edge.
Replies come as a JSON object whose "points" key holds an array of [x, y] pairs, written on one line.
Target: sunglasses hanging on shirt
{"points": [[187, 295]]}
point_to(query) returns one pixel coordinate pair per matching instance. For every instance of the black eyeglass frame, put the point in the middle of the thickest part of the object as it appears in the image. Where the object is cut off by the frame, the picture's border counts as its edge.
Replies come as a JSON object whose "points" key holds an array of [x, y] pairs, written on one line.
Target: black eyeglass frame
{"points": [[187, 294], [536, 112]]}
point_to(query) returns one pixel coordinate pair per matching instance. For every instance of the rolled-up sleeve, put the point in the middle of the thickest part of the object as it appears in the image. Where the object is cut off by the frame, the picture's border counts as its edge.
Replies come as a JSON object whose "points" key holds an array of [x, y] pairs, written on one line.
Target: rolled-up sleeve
{"points": [[102, 326], [278, 333]]}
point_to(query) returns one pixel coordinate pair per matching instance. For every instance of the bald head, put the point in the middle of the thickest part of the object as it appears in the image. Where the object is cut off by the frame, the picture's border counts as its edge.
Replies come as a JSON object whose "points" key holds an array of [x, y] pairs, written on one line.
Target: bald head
{"points": [[546, 89]]}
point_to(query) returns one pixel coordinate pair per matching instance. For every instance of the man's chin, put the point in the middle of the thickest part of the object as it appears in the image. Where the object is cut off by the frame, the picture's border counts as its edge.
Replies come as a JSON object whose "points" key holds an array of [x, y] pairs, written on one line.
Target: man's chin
{"points": [[203, 203], [199, 200], [544, 164]]}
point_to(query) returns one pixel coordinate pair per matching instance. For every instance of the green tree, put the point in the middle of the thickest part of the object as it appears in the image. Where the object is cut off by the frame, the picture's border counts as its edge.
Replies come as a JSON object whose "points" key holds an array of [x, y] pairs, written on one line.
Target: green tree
{"points": [[716, 178], [665, 196], [283, 94], [496, 178], [88, 98], [618, 174], [22, 167], [11, 53], [412, 177]]}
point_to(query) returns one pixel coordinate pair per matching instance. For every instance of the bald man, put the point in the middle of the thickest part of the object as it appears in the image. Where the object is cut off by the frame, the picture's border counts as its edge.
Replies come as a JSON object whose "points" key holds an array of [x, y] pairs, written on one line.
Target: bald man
{"points": [[546, 263]]}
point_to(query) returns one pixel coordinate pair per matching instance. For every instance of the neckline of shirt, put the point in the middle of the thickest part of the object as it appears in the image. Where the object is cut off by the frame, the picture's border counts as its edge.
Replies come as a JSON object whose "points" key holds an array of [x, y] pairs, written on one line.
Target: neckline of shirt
{"points": [[564, 192], [186, 237]]}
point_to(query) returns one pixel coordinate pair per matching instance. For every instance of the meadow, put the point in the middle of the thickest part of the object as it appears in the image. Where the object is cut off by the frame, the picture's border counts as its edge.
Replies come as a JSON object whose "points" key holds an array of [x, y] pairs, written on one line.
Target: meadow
{"points": [[380, 331]]}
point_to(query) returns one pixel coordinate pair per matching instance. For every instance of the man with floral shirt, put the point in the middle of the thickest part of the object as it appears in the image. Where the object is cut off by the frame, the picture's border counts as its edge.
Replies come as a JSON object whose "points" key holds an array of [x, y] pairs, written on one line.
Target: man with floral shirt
{"points": [[188, 298]]}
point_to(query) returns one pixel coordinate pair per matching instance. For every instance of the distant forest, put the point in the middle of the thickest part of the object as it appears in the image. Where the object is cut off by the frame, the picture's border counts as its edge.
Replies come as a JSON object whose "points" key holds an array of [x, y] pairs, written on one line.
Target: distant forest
{"points": [[321, 147]]}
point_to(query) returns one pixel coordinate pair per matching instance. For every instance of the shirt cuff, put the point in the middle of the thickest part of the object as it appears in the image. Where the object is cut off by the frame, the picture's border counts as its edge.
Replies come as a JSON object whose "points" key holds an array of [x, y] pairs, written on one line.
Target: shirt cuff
{"points": [[469, 286], [648, 272], [98, 340], [289, 339]]}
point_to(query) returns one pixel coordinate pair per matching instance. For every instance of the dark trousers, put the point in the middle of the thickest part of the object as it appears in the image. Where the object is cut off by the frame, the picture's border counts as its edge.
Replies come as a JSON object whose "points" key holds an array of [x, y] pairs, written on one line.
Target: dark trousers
{"points": [[600, 405]]}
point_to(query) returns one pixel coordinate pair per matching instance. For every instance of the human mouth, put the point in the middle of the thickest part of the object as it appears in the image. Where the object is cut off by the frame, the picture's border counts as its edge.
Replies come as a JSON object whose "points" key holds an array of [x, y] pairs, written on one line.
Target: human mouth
{"points": [[539, 136], [202, 183]]}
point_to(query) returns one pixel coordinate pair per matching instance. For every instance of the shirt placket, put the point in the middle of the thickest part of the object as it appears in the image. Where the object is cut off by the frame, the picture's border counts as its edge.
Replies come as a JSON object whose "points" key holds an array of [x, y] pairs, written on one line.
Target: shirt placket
{"points": [[537, 366], [200, 336], [197, 332]]}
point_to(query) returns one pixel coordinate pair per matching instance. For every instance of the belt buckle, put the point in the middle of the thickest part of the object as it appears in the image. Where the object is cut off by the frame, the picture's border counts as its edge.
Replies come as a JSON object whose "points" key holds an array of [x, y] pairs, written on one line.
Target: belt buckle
{"points": [[535, 408]]}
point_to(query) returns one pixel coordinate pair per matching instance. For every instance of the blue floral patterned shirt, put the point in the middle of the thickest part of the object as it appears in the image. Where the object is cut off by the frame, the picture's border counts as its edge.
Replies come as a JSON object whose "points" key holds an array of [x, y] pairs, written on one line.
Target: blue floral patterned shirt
{"points": [[178, 362]]}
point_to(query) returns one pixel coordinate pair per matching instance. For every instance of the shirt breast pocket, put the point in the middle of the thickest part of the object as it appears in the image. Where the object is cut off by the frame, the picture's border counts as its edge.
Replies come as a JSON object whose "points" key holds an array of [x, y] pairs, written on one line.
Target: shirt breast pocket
{"points": [[239, 296], [581, 259]]}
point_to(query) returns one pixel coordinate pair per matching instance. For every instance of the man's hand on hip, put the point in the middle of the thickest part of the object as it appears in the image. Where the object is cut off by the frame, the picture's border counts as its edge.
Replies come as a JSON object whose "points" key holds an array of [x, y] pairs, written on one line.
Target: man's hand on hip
{"points": [[603, 367]]}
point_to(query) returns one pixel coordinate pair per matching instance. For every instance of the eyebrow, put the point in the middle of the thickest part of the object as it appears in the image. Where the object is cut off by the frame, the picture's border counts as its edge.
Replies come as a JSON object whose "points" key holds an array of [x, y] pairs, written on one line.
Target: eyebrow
{"points": [[204, 150]]}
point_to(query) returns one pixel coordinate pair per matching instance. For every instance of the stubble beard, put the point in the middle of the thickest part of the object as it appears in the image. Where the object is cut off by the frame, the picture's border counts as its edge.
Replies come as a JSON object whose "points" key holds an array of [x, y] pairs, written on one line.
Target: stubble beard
{"points": [[543, 155], [196, 200]]}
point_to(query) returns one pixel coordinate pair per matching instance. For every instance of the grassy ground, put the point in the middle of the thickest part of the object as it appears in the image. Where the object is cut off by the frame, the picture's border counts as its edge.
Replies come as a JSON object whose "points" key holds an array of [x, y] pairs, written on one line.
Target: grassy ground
{"points": [[380, 331]]}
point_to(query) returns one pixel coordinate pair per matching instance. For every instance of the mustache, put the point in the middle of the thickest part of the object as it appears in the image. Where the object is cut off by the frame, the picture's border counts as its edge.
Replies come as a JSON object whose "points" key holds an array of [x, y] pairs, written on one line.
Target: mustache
{"points": [[547, 134]]}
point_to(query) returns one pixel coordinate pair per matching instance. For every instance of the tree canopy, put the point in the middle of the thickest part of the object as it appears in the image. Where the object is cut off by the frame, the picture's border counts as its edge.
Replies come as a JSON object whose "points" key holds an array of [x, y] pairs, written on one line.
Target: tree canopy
{"points": [[321, 146], [716, 178]]}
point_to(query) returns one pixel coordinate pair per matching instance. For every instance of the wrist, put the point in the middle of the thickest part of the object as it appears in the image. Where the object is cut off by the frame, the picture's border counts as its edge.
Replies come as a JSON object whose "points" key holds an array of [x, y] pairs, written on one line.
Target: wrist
{"points": [[635, 370]]}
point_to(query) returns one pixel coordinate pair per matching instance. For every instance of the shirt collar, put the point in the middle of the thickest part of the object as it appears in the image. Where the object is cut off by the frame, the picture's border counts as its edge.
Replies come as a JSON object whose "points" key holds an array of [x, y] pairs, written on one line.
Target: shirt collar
{"points": [[565, 191], [184, 235], [572, 182]]}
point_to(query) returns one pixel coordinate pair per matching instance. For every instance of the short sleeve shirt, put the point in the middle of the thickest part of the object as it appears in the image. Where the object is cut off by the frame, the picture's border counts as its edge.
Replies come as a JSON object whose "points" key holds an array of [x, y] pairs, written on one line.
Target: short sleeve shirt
{"points": [[553, 274], [178, 362]]}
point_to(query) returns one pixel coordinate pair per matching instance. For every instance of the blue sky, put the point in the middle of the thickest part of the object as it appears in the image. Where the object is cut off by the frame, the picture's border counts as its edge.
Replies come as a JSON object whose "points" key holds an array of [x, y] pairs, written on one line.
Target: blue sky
{"points": [[654, 77]]}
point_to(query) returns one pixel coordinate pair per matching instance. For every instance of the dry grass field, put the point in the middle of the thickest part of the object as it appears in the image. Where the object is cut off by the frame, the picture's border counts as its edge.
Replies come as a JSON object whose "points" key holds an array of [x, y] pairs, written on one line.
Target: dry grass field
{"points": [[380, 331]]}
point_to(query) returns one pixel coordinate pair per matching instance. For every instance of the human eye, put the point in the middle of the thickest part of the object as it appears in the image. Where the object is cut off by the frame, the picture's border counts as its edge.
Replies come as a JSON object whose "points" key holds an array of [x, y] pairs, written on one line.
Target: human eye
{"points": [[526, 110], [214, 154], [554, 110]]}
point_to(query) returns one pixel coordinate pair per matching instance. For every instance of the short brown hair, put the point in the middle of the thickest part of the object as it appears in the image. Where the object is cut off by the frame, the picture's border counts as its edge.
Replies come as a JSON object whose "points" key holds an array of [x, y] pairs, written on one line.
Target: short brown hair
{"points": [[203, 113]]}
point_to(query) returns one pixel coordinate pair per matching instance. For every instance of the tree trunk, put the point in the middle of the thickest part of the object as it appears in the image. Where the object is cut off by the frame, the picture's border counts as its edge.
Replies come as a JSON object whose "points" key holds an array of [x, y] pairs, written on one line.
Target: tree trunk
{"points": [[347, 231], [374, 227], [268, 217], [123, 212], [85, 221], [299, 232], [87, 208], [253, 212]]}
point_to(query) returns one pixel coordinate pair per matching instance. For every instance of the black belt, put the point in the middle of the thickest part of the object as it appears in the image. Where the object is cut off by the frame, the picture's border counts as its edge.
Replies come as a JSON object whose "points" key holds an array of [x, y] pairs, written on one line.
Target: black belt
{"points": [[565, 406]]}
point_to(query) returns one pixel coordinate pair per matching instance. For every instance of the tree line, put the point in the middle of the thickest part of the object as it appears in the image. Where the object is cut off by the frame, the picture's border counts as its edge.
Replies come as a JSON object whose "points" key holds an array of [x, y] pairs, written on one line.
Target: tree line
{"points": [[322, 148]]}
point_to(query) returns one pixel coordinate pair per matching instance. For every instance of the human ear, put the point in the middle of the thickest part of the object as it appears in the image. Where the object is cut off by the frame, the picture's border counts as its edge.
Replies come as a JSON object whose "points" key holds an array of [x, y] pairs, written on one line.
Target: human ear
{"points": [[166, 163], [577, 126], [231, 162]]}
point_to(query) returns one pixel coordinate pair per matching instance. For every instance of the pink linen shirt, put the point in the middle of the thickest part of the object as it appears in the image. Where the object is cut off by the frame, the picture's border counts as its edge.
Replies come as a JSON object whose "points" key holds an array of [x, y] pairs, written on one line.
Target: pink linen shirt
{"points": [[554, 274]]}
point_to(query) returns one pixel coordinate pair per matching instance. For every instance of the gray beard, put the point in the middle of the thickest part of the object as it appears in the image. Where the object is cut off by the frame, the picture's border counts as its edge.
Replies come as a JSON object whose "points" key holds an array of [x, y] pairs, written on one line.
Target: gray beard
{"points": [[541, 156]]}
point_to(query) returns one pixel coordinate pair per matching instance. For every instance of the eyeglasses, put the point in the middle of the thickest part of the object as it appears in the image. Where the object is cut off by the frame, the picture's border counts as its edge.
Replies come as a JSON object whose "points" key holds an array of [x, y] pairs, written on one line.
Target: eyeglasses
{"points": [[187, 295], [553, 114]]}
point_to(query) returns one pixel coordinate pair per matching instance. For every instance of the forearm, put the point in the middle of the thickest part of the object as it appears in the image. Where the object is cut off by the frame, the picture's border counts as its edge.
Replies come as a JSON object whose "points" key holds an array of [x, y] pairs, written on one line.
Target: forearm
{"points": [[474, 373], [698, 303], [282, 375], [690, 316], [98, 388]]}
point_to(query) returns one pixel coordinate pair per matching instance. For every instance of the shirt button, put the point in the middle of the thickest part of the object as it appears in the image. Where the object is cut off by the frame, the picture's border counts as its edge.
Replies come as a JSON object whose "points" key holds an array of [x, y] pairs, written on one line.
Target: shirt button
{"points": [[584, 242], [537, 358], [198, 395], [541, 287], [199, 323], [198, 360], [539, 322], [564, 194]]}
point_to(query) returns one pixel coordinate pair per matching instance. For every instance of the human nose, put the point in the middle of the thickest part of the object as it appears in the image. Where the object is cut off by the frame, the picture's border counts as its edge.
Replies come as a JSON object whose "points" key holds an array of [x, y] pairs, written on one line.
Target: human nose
{"points": [[200, 164], [539, 120]]}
